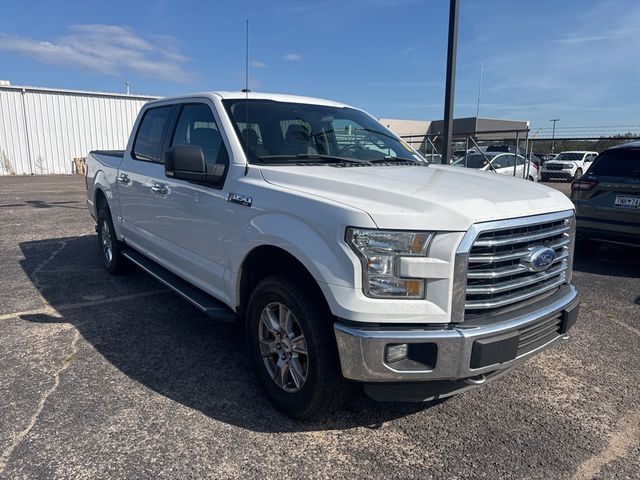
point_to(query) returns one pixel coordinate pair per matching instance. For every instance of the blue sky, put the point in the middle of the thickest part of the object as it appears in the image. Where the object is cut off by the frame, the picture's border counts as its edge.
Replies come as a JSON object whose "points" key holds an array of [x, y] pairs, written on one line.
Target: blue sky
{"points": [[577, 60]]}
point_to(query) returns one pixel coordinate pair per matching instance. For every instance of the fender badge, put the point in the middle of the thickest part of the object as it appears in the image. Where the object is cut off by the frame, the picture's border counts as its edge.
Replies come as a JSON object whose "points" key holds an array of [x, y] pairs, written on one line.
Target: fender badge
{"points": [[239, 199]]}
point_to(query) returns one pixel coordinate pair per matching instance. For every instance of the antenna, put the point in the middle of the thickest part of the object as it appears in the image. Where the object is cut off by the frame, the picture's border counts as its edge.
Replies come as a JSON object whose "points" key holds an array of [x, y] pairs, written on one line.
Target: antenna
{"points": [[246, 99], [246, 61]]}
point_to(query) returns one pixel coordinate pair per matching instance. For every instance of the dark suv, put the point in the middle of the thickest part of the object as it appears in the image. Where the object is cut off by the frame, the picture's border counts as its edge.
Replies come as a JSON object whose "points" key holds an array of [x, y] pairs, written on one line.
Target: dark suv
{"points": [[607, 199]]}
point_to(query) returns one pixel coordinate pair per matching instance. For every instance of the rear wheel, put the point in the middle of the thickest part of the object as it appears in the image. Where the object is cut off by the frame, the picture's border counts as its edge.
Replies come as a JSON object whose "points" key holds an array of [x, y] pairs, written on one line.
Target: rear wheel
{"points": [[292, 343], [110, 247]]}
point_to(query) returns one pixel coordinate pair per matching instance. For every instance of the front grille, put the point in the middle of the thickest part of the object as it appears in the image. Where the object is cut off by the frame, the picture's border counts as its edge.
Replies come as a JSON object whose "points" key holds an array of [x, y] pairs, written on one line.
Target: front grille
{"points": [[497, 276], [538, 334], [553, 167]]}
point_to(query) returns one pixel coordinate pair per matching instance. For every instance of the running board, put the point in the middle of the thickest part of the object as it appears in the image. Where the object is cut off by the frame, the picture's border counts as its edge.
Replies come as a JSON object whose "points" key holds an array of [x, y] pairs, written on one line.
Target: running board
{"points": [[202, 300]]}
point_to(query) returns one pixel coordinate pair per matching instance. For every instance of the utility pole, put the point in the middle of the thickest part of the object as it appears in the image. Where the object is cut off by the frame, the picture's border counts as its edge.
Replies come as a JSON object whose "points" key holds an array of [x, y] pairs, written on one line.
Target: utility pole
{"points": [[553, 134], [454, 8], [479, 90]]}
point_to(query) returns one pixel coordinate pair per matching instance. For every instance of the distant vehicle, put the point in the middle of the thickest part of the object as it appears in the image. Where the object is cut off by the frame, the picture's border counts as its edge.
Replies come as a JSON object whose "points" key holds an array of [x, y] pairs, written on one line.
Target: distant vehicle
{"points": [[460, 153], [545, 157], [505, 149], [607, 199], [502, 163], [567, 166], [433, 157]]}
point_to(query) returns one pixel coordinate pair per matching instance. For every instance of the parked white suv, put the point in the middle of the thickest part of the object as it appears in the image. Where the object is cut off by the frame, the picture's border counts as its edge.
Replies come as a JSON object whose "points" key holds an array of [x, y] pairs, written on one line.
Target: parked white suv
{"points": [[567, 166], [348, 258]]}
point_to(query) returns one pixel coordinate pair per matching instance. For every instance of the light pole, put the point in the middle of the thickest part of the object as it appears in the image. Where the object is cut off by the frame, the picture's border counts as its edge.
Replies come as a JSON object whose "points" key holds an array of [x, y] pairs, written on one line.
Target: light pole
{"points": [[451, 81], [553, 135]]}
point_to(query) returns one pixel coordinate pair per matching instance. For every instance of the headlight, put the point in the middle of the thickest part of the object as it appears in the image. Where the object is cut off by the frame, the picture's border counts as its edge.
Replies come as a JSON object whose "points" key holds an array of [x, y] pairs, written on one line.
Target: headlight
{"points": [[378, 251]]}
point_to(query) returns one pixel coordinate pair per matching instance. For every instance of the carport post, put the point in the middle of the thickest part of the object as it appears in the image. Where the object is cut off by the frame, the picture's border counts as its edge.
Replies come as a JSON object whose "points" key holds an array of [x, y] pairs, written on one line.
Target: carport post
{"points": [[515, 157], [451, 80]]}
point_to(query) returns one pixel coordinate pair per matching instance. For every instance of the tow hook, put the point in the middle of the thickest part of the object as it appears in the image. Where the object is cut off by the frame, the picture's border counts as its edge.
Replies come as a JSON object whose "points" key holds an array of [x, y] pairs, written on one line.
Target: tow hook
{"points": [[479, 380]]}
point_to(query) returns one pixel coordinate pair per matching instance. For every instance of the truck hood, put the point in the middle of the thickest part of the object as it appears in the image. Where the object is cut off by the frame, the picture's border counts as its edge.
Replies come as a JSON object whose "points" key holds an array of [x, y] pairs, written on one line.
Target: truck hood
{"points": [[421, 197]]}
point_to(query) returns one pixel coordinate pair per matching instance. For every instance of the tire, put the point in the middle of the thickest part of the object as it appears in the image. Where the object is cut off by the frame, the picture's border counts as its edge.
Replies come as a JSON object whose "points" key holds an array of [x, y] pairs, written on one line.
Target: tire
{"points": [[578, 174], [110, 247], [587, 246], [319, 387]]}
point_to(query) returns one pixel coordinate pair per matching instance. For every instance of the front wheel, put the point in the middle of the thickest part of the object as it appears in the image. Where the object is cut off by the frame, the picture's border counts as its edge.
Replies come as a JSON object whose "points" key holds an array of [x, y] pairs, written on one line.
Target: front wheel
{"points": [[291, 339]]}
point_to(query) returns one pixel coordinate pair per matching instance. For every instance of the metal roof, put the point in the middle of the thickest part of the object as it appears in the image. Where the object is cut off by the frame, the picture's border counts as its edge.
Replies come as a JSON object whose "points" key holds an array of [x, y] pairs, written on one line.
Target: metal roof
{"points": [[66, 91]]}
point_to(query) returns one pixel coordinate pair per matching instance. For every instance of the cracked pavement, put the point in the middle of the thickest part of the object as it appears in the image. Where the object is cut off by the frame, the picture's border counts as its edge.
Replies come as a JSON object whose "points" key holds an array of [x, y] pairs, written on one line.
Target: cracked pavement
{"points": [[116, 377]]}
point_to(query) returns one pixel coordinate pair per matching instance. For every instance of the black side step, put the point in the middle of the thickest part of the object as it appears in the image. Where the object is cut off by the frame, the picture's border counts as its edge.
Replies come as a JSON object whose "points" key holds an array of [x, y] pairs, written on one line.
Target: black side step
{"points": [[205, 302]]}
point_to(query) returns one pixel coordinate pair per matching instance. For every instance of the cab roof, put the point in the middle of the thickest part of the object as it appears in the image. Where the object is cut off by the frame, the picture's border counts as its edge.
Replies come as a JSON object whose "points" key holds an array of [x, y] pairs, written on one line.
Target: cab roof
{"points": [[276, 97]]}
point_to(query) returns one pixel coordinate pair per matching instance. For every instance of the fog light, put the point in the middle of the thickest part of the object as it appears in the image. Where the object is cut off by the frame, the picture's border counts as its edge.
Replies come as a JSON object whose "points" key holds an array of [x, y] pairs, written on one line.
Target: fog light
{"points": [[395, 353]]}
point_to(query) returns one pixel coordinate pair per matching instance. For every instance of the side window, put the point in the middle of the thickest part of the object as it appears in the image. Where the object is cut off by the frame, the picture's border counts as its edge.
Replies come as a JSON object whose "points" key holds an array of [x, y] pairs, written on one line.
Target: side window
{"points": [[196, 126], [505, 161], [149, 137], [520, 160]]}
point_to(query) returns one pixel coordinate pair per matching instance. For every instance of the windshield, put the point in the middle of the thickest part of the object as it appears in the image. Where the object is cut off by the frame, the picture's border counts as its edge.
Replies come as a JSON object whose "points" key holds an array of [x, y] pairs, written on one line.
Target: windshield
{"points": [[474, 160], [280, 132], [569, 156]]}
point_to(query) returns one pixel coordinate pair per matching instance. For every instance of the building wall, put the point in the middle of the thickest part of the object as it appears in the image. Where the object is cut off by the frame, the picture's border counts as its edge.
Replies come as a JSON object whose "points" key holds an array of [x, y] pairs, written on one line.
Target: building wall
{"points": [[406, 127], [43, 130]]}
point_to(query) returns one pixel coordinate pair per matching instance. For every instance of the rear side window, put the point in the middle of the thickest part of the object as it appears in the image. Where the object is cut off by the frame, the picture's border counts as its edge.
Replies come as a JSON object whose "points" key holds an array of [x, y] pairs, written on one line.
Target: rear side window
{"points": [[619, 162], [149, 137]]}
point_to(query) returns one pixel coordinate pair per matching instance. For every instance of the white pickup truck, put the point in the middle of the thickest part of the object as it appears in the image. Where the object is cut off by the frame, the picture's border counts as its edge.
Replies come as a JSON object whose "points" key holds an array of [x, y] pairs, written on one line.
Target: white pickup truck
{"points": [[348, 257]]}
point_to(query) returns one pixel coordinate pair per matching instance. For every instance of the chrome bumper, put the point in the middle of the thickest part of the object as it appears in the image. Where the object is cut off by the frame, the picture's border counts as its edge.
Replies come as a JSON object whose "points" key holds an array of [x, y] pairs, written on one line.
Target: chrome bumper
{"points": [[455, 347]]}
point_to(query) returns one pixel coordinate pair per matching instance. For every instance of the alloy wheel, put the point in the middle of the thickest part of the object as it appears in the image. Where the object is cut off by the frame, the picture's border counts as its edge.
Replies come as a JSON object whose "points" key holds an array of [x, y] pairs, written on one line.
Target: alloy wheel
{"points": [[283, 347]]}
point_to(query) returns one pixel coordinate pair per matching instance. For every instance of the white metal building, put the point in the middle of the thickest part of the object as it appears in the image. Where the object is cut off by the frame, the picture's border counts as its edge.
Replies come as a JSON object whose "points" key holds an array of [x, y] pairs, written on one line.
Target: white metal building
{"points": [[43, 129]]}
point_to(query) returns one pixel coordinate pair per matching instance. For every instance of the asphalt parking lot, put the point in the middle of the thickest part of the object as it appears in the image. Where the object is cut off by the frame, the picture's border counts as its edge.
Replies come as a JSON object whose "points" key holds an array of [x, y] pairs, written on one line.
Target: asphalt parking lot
{"points": [[116, 377]]}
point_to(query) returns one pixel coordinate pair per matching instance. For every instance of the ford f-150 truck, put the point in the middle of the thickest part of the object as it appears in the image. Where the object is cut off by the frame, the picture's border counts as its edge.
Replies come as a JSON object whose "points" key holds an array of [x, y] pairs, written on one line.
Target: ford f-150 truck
{"points": [[348, 257]]}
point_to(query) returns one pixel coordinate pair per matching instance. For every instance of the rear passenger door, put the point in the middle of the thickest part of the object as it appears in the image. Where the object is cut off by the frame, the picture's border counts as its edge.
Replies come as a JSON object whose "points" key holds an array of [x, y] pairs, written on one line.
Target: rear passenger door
{"points": [[141, 168], [190, 229]]}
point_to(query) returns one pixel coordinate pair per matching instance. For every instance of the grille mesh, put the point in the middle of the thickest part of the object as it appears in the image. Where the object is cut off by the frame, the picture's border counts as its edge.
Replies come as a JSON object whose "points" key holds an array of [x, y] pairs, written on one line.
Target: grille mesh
{"points": [[497, 277]]}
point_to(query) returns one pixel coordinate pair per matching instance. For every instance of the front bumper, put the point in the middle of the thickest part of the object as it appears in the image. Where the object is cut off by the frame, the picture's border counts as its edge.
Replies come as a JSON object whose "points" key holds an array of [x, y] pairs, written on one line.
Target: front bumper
{"points": [[608, 231], [457, 352], [548, 175]]}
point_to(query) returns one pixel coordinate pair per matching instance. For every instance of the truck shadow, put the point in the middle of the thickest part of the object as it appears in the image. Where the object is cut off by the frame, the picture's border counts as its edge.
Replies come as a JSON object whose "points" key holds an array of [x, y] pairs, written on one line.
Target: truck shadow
{"points": [[609, 259], [160, 341]]}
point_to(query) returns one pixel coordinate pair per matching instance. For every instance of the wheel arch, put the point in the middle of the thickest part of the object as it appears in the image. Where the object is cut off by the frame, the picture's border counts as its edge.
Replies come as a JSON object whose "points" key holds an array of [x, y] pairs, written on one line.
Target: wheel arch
{"points": [[269, 260]]}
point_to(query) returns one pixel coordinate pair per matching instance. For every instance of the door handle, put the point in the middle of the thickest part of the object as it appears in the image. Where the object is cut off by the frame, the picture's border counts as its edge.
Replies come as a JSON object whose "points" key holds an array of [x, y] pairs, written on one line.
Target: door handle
{"points": [[159, 189], [123, 178]]}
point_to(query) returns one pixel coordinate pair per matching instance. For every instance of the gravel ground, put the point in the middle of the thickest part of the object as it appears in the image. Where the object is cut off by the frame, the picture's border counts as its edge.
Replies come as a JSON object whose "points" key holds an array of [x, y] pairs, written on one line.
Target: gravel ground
{"points": [[116, 377]]}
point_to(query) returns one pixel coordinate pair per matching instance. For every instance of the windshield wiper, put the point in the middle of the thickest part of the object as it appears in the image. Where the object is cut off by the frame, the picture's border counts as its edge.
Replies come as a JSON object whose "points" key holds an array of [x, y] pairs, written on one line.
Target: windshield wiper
{"points": [[392, 158], [313, 157]]}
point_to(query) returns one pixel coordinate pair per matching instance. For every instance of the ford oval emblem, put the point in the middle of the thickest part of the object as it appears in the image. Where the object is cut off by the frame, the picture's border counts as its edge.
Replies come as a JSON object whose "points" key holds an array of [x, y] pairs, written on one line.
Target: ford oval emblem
{"points": [[539, 259]]}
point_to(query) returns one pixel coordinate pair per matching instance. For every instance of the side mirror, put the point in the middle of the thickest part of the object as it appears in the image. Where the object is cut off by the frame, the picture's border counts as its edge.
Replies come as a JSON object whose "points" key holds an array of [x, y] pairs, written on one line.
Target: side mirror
{"points": [[186, 162], [496, 165]]}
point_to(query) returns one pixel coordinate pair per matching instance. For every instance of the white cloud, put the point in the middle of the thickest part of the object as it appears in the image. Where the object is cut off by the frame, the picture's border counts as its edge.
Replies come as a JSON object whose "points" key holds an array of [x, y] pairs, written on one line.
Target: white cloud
{"points": [[257, 64], [108, 50], [292, 57], [576, 74]]}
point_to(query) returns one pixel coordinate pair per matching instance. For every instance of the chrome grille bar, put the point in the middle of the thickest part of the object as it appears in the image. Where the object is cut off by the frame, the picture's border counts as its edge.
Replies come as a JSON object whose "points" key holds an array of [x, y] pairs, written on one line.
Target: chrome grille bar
{"points": [[507, 271], [512, 239], [498, 274], [488, 258]]}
